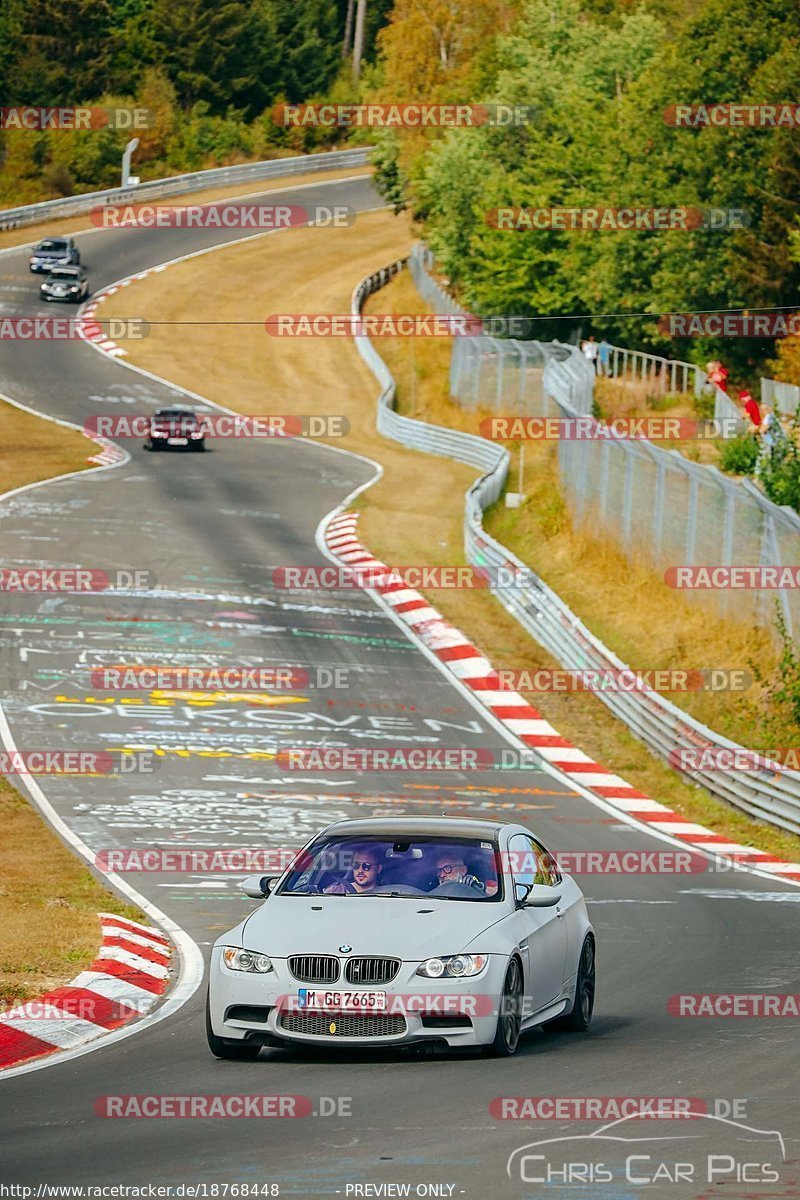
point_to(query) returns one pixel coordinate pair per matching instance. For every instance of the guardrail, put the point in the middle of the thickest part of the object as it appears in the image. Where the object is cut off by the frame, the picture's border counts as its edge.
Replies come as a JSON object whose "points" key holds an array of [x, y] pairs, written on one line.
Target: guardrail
{"points": [[785, 396], [155, 189], [726, 410], [770, 795], [663, 374]]}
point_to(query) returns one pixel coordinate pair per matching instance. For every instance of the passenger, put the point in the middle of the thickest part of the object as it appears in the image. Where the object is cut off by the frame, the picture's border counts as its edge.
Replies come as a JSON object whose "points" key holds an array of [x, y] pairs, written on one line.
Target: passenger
{"points": [[364, 874], [451, 868]]}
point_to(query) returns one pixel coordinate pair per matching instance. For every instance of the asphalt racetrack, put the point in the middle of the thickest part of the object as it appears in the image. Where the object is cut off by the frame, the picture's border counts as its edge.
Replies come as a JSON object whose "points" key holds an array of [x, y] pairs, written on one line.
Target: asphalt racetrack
{"points": [[212, 528]]}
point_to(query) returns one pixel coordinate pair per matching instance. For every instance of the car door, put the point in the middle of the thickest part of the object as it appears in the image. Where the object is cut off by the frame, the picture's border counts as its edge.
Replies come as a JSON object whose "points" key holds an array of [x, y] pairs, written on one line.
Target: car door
{"points": [[542, 932]]}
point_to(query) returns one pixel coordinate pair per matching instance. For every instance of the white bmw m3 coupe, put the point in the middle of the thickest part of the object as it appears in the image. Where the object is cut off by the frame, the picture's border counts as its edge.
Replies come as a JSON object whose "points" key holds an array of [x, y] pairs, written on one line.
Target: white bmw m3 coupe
{"points": [[406, 931]]}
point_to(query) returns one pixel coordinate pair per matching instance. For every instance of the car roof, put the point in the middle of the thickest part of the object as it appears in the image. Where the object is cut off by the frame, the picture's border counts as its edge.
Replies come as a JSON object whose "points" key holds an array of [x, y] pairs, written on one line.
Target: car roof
{"points": [[69, 269], [418, 826], [174, 408]]}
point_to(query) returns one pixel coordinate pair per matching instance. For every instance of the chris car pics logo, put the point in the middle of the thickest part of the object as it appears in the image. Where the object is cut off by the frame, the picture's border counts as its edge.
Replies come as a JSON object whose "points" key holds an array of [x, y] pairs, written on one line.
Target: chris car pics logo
{"points": [[714, 1151]]}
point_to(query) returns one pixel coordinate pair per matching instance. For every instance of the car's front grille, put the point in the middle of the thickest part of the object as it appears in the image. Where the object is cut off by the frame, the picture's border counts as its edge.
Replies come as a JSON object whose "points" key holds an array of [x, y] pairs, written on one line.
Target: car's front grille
{"points": [[314, 968], [371, 970], [344, 1025]]}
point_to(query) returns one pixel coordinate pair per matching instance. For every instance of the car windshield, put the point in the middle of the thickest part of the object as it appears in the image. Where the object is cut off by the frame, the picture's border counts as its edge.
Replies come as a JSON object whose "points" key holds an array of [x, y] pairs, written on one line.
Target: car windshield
{"points": [[64, 274], [440, 868], [49, 245], [176, 414]]}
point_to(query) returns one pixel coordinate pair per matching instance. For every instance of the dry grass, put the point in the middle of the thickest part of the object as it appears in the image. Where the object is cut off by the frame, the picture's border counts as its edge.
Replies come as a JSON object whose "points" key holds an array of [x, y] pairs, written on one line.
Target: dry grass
{"points": [[49, 902], [414, 515], [79, 224], [48, 899], [32, 449]]}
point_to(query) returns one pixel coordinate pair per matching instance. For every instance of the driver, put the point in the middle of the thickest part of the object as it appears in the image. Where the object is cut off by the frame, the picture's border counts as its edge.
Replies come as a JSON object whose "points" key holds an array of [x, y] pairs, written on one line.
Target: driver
{"points": [[451, 868], [364, 874]]}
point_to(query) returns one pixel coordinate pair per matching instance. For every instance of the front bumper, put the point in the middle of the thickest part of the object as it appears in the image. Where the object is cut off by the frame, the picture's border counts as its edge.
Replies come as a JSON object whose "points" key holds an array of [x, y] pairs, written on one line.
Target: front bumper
{"points": [[46, 265], [461, 1012]]}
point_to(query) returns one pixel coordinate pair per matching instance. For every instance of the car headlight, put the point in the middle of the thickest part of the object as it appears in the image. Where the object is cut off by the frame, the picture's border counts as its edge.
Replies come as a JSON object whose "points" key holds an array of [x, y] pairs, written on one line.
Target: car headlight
{"points": [[246, 960], [453, 966]]}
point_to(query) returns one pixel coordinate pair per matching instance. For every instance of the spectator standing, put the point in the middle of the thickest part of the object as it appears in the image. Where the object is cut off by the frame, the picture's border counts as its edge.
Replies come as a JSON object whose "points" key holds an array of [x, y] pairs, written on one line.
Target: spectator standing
{"points": [[589, 349], [750, 407], [772, 435], [718, 376], [604, 358]]}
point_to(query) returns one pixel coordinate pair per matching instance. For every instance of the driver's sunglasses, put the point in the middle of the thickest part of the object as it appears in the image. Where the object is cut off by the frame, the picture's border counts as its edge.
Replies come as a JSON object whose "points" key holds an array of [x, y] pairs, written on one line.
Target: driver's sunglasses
{"points": [[447, 868], [365, 866]]}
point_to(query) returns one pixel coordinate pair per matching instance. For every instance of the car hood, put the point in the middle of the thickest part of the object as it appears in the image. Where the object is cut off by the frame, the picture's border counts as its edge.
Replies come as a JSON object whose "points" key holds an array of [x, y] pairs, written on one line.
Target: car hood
{"points": [[403, 928]]}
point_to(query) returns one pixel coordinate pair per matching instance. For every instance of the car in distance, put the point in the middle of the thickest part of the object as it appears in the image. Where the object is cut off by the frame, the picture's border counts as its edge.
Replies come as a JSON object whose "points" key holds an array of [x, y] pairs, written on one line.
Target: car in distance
{"points": [[54, 252], [445, 931], [175, 427], [65, 283]]}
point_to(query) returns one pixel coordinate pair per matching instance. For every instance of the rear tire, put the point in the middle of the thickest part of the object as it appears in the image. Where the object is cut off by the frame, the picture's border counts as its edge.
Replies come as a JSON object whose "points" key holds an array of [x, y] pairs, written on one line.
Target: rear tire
{"points": [[579, 1017], [227, 1049], [509, 1018]]}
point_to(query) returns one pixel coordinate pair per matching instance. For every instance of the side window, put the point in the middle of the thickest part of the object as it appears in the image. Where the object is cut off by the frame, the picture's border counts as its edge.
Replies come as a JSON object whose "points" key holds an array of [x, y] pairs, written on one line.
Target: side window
{"points": [[548, 867], [522, 860], [530, 863]]}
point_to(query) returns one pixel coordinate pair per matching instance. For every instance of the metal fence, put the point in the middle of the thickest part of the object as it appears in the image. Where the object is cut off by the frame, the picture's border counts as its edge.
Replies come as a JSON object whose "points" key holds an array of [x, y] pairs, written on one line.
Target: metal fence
{"points": [[785, 396], [156, 189], [655, 504], [505, 373], [660, 374], [726, 411], [772, 795]]}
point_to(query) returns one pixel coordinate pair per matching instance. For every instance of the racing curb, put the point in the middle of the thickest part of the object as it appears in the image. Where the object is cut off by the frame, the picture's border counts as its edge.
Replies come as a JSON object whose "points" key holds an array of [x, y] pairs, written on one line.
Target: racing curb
{"points": [[89, 327], [125, 981], [472, 669]]}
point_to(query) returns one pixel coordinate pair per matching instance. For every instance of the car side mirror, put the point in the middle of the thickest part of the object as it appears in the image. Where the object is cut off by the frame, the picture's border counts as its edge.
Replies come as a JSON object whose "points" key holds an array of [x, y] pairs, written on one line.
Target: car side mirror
{"points": [[257, 886], [541, 895]]}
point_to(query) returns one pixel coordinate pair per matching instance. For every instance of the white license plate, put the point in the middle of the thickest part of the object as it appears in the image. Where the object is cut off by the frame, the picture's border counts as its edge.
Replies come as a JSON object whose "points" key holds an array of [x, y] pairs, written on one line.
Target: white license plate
{"points": [[178, 441], [342, 1001]]}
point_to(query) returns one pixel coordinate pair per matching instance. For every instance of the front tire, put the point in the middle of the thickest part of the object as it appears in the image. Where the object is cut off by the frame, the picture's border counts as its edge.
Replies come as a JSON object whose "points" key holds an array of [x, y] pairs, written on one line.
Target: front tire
{"points": [[230, 1050], [579, 1017], [509, 1018]]}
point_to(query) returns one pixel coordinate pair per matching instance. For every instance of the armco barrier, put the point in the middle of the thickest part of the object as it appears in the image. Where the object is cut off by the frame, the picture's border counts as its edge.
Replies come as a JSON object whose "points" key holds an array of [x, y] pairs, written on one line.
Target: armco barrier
{"points": [[156, 189], [772, 796]]}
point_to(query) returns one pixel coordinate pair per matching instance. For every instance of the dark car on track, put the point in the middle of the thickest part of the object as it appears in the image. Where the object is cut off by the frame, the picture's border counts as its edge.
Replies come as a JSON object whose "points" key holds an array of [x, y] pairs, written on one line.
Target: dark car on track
{"points": [[175, 427], [54, 252], [65, 283]]}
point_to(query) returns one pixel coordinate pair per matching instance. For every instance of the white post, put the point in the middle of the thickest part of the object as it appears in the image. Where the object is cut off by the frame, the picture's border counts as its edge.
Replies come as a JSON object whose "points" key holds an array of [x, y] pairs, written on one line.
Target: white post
{"points": [[126, 160]]}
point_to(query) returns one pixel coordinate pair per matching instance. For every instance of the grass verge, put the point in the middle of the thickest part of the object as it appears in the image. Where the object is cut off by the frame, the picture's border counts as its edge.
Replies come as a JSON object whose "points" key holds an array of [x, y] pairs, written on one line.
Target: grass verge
{"points": [[414, 514]]}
